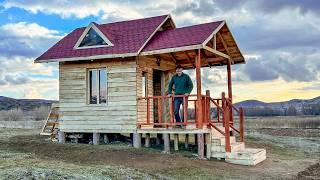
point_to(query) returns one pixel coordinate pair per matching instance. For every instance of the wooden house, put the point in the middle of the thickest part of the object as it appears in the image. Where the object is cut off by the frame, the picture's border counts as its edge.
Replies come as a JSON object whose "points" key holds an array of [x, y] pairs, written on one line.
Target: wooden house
{"points": [[113, 78]]}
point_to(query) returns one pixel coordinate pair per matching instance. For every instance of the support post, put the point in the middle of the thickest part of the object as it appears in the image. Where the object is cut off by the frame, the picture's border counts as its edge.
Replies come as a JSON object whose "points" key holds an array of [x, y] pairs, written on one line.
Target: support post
{"points": [[195, 139], [61, 137], [226, 122], [208, 144], [230, 88], [166, 142], [158, 140], [106, 139], [136, 140], [176, 142], [186, 141], [95, 138], [147, 140], [200, 146], [241, 124], [198, 80]]}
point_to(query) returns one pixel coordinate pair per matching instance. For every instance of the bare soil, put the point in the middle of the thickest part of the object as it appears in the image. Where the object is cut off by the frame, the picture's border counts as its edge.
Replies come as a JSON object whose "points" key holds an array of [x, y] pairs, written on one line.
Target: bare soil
{"points": [[26, 155], [312, 172]]}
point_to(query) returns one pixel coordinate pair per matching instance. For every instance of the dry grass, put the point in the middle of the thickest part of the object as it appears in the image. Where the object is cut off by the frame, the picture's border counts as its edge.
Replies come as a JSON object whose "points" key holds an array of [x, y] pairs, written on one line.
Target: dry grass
{"points": [[40, 113], [283, 122], [12, 115]]}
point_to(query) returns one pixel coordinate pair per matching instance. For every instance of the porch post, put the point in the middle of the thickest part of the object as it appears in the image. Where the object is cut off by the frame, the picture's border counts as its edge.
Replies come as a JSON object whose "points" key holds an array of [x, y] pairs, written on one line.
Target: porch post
{"points": [[198, 80], [230, 88], [229, 80]]}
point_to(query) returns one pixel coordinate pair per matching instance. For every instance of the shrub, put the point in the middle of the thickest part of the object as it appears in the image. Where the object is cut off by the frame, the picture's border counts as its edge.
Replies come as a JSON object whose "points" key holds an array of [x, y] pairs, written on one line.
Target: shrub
{"points": [[12, 115], [40, 113]]}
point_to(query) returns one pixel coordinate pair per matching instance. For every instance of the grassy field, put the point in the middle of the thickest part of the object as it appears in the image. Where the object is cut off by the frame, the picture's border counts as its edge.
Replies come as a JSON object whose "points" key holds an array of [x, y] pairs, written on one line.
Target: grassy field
{"points": [[291, 154]]}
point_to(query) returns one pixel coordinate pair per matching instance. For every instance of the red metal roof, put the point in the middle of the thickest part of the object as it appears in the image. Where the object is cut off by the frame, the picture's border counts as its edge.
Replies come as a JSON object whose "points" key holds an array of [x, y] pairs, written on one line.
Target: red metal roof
{"points": [[129, 37], [179, 37]]}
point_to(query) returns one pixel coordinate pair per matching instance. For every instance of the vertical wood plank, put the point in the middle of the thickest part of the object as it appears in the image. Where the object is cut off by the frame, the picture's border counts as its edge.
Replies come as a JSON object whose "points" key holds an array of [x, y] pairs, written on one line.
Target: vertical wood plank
{"points": [[198, 79]]}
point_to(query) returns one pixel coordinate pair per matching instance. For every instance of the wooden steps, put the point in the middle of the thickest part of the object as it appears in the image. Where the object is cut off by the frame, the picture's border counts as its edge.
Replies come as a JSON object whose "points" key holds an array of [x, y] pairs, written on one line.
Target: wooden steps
{"points": [[248, 156], [239, 153], [52, 121]]}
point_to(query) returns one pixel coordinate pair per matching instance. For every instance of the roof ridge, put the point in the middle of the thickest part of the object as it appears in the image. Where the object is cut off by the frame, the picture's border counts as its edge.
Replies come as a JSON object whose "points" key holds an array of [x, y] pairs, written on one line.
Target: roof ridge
{"points": [[123, 21], [200, 24]]}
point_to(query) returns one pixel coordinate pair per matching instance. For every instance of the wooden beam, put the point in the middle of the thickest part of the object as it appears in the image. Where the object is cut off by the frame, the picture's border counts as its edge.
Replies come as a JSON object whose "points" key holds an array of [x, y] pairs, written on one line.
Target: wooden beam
{"points": [[214, 42], [173, 57], [205, 56], [224, 44], [216, 52], [189, 59]]}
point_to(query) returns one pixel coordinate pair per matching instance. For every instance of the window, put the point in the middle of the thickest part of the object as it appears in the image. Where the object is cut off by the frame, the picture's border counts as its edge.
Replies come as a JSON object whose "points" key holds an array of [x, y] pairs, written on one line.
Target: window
{"points": [[144, 84], [92, 38], [97, 86]]}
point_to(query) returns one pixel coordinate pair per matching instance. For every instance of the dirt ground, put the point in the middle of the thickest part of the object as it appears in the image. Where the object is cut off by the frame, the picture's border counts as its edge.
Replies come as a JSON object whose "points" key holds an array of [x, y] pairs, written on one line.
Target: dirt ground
{"points": [[26, 155]]}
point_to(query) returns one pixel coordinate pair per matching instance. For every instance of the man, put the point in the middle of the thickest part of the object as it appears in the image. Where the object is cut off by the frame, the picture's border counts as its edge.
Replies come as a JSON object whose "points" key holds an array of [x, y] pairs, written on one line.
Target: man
{"points": [[182, 86]]}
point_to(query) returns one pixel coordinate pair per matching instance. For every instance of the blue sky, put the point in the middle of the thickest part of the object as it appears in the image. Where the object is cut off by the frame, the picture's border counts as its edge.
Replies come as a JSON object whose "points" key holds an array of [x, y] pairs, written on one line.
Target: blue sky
{"points": [[280, 40]]}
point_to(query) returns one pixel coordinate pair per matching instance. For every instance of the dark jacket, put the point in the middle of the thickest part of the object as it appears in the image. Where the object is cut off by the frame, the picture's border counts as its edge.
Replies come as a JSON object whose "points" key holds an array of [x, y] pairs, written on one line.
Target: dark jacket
{"points": [[182, 84]]}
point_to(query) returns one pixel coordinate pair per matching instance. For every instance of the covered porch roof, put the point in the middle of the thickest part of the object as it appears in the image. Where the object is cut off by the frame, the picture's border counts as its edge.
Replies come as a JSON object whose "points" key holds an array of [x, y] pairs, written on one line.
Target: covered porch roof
{"points": [[216, 49]]}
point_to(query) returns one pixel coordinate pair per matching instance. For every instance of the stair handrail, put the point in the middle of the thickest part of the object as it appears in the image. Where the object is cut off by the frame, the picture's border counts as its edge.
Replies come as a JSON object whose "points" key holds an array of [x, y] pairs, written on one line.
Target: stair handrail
{"points": [[240, 112]]}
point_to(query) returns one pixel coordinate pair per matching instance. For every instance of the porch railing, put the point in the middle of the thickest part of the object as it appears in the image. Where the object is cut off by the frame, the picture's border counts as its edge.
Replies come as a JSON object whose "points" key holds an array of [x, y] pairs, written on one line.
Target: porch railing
{"points": [[225, 112]]}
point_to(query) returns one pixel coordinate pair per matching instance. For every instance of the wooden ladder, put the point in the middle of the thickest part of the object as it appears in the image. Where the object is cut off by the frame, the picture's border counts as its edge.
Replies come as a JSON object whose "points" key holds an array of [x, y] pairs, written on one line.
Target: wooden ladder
{"points": [[51, 122]]}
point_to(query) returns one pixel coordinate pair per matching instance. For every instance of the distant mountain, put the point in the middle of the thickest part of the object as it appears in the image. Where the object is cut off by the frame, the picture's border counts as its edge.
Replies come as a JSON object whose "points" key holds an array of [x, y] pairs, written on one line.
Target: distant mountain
{"points": [[295, 106], [7, 103]]}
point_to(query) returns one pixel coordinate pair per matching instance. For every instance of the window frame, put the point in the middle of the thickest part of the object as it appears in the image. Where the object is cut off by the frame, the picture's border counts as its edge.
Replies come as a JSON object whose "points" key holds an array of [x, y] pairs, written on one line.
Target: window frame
{"points": [[88, 102], [85, 32], [144, 75]]}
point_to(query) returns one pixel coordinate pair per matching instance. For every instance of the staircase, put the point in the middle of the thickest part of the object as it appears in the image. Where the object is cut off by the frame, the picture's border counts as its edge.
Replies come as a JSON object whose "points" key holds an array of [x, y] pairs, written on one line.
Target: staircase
{"points": [[238, 155], [52, 122]]}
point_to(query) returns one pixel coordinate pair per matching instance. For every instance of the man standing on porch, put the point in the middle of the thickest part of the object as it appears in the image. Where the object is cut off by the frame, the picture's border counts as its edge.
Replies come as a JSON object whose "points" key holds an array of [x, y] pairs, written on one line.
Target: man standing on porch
{"points": [[182, 86]]}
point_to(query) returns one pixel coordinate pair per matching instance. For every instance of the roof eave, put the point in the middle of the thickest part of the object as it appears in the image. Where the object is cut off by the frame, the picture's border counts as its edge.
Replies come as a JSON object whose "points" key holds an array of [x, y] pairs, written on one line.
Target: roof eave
{"points": [[95, 57]]}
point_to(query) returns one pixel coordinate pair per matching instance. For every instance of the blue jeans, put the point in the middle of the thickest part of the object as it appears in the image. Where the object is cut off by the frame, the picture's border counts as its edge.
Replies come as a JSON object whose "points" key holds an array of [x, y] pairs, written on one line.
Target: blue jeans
{"points": [[177, 102]]}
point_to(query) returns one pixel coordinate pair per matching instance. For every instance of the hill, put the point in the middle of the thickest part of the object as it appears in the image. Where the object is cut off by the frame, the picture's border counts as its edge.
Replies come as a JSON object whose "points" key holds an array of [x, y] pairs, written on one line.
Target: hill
{"points": [[7, 103]]}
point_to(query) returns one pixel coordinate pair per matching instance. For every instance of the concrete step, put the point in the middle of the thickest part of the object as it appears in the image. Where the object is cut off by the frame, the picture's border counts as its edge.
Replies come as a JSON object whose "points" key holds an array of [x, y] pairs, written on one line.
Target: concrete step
{"points": [[237, 146], [249, 156]]}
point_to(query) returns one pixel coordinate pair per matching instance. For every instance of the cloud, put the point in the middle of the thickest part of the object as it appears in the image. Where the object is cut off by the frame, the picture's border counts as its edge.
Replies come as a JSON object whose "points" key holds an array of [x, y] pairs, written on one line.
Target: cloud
{"points": [[26, 39], [20, 76], [279, 38], [15, 80], [258, 71]]}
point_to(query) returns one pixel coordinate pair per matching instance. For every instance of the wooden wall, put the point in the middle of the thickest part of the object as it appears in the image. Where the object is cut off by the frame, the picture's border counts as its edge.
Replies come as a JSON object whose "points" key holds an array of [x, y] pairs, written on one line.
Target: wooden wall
{"points": [[148, 64], [120, 112]]}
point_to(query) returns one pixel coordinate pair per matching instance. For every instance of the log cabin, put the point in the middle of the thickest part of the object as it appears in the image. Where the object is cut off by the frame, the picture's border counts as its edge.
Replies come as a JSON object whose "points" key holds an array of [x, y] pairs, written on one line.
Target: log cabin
{"points": [[113, 78]]}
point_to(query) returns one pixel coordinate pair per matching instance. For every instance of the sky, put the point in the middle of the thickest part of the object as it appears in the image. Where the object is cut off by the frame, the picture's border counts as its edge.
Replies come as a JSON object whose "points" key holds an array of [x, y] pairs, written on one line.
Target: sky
{"points": [[279, 39]]}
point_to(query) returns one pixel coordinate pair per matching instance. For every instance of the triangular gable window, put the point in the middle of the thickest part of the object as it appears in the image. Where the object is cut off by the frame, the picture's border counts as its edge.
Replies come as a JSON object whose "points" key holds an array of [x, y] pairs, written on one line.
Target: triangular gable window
{"points": [[92, 37]]}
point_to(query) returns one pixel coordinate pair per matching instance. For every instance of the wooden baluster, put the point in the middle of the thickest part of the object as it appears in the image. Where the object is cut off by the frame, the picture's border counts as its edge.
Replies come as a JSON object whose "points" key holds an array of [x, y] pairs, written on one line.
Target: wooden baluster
{"points": [[218, 110], [171, 110], [241, 129], [208, 106], [223, 107], [195, 112], [185, 110], [159, 109]]}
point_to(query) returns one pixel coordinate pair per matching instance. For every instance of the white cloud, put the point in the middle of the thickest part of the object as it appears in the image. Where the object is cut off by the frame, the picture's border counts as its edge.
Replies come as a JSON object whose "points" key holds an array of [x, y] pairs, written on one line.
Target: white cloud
{"points": [[21, 76], [26, 39]]}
